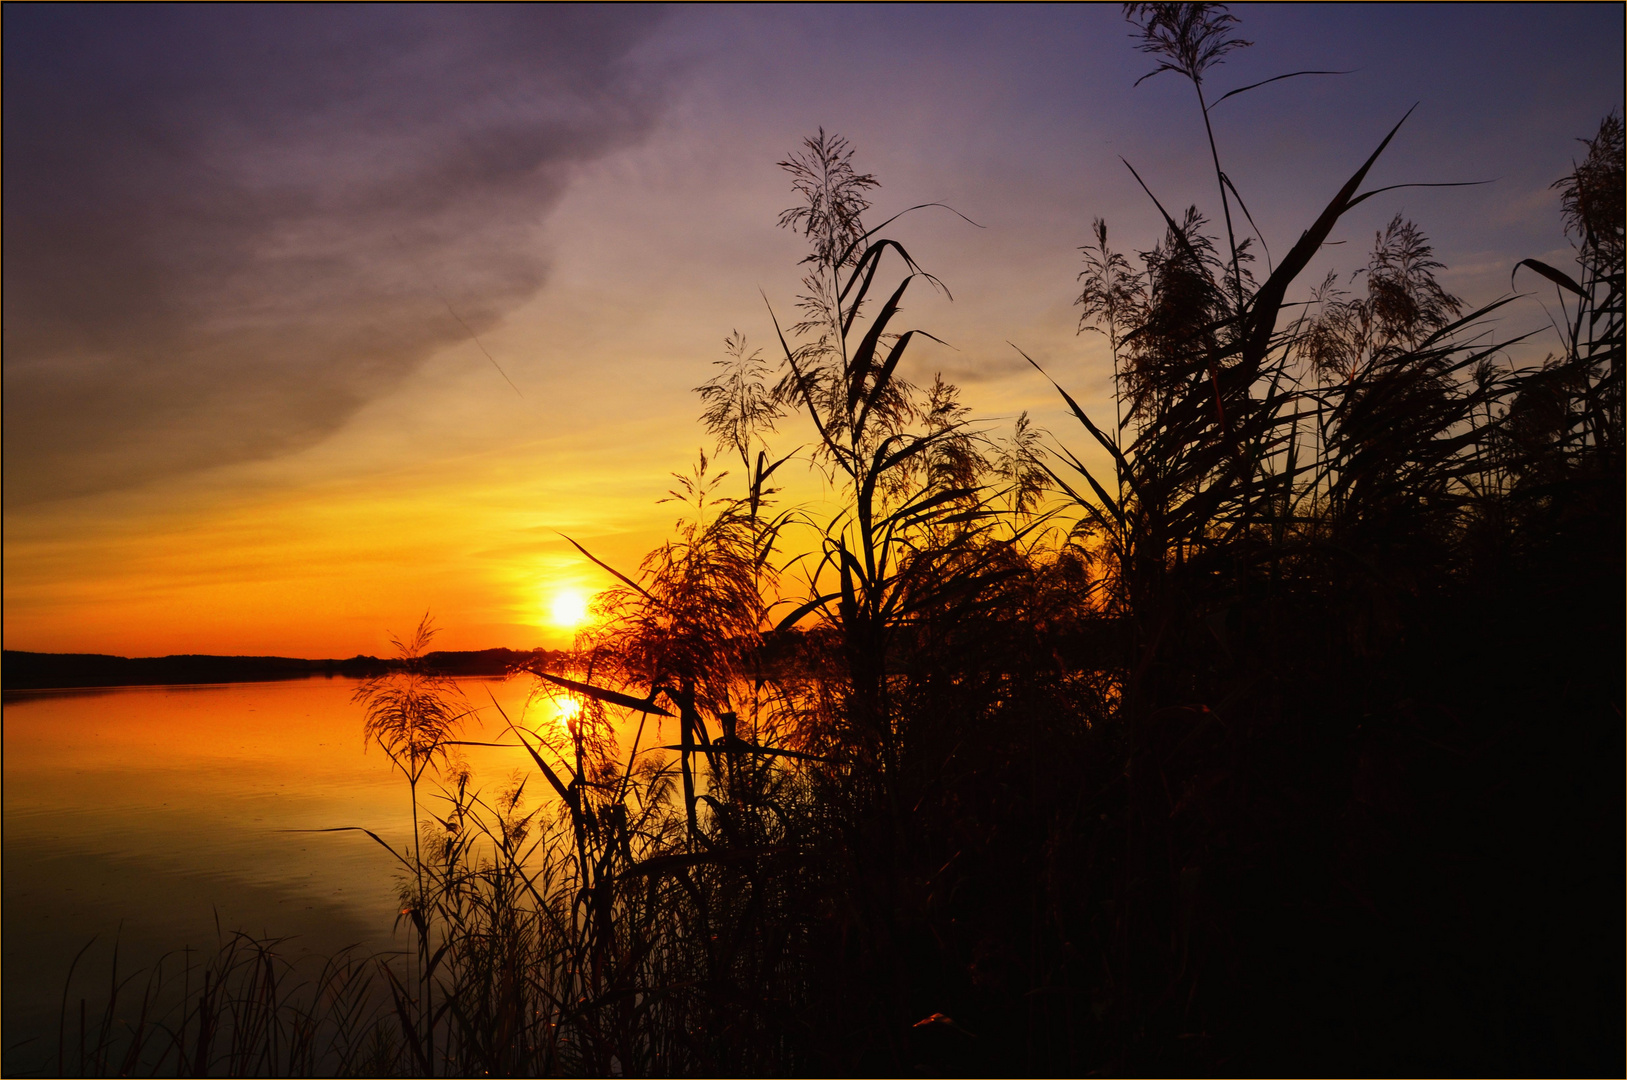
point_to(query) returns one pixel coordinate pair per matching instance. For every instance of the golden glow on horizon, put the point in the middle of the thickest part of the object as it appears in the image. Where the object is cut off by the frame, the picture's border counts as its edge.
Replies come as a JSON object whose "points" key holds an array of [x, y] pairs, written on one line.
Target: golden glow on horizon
{"points": [[235, 564]]}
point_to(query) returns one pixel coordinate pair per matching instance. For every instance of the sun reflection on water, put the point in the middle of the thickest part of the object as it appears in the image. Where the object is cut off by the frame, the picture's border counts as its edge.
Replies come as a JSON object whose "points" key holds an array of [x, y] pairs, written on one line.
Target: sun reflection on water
{"points": [[566, 710]]}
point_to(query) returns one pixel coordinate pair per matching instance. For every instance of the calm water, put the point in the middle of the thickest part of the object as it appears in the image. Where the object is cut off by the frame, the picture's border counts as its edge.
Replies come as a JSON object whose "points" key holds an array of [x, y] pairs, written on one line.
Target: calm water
{"points": [[143, 814]]}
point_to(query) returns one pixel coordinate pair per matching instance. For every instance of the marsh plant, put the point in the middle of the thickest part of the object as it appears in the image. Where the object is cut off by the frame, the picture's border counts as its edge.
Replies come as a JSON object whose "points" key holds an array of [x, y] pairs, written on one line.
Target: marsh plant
{"points": [[1271, 724]]}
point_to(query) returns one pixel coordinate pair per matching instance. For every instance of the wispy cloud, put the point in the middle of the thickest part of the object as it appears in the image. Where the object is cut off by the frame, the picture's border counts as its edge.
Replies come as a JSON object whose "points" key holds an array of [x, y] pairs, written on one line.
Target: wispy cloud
{"points": [[229, 227]]}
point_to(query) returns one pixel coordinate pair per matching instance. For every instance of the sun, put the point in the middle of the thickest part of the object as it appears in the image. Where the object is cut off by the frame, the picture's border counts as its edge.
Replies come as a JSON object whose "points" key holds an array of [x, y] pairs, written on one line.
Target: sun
{"points": [[568, 608]]}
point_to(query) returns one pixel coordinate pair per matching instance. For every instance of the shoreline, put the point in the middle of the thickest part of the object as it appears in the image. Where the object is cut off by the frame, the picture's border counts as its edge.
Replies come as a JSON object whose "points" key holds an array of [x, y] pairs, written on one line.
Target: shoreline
{"points": [[23, 671]]}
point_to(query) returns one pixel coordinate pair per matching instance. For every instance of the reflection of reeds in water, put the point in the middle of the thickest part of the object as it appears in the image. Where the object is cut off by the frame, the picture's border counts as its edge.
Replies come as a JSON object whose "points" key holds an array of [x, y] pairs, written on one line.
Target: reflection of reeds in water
{"points": [[1247, 769]]}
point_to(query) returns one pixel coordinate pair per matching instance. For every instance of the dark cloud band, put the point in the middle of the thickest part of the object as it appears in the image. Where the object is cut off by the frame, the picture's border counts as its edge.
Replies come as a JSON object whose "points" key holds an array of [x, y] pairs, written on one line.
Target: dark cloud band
{"points": [[228, 227]]}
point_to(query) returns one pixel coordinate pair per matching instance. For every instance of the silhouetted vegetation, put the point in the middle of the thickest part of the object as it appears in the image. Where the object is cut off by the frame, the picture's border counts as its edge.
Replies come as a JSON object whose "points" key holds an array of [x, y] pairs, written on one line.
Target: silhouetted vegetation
{"points": [[1273, 724], [42, 671], [58, 671]]}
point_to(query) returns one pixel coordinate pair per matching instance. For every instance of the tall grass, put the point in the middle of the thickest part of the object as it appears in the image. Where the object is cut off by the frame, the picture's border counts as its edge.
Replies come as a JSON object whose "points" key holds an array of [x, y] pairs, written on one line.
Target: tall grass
{"points": [[243, 1010]]}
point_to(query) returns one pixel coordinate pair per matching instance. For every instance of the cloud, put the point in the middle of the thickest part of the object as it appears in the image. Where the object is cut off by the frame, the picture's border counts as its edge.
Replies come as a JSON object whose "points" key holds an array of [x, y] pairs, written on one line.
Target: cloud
{"points": [[227, 228]]}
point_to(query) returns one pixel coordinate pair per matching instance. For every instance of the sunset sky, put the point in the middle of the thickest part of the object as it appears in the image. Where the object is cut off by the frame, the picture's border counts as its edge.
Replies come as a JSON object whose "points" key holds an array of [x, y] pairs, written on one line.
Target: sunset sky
{"points": [[317, 318]]}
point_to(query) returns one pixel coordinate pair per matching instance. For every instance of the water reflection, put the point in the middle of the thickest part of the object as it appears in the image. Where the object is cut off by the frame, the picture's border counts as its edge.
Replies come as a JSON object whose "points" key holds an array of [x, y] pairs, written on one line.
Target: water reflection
{"points": [[150, 815]]}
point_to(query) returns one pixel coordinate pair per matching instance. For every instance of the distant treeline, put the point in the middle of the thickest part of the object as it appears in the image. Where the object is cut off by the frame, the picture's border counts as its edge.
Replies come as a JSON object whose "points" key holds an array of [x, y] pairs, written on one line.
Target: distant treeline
{"points": [[43, 671]]}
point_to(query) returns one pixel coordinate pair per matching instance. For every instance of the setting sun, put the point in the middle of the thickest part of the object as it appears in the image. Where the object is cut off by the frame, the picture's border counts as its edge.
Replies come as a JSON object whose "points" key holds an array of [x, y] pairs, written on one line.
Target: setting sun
{"points": [[568, 608]]}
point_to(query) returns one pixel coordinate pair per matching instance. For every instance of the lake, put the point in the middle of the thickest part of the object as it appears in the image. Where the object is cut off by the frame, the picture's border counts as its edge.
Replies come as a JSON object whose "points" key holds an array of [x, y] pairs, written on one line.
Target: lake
{"points": [[143, 815]]}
